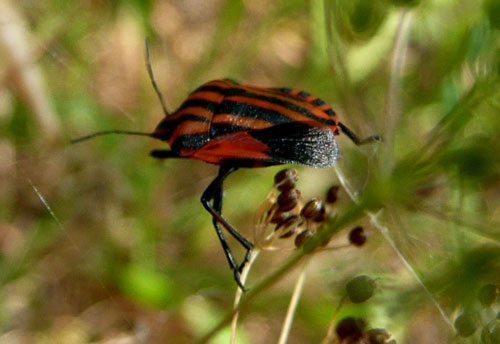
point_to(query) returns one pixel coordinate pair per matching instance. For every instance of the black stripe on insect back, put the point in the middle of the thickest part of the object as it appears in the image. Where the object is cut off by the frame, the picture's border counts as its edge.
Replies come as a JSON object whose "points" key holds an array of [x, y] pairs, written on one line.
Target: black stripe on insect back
{"points": [[193, 141], [251, 111], [274, 100], [318, 102], [197, 102], [219, 129]]}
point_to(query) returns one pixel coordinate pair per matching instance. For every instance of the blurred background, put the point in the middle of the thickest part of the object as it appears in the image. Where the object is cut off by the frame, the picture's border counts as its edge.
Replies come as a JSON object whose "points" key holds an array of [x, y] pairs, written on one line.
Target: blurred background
{"points": [[99, 243]]}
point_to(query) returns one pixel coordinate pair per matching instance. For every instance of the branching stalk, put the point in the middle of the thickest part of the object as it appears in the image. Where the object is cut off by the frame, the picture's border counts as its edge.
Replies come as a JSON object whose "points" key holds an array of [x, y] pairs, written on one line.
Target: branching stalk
{"points": [[374, 218]]}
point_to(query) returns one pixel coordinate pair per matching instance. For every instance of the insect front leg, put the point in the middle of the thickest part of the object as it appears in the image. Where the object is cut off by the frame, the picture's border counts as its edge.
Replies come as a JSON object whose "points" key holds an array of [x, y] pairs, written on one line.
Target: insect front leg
{"points": [[354, 138], [163, 154], [214, 192]]}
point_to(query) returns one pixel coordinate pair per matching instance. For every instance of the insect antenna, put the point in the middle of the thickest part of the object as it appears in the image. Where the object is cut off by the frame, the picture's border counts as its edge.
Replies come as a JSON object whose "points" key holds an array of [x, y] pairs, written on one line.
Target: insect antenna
{"points": [[106, 132], [152, 78]]}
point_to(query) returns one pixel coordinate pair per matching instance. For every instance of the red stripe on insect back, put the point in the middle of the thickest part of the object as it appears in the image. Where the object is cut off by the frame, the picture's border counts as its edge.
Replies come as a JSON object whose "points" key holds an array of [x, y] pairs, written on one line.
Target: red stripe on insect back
{"points": [[193, 110], [239, 145], [279, 108], [189, 128], [273, 93], [240, 121], [325, 107], [304, 103], [207, 95], [311, 98]]}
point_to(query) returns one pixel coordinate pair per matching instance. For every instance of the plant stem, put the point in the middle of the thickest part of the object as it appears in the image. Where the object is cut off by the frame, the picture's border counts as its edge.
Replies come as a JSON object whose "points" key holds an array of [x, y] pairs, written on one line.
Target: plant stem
{"points": [[297, 292], [331, 328], [239, 294]]}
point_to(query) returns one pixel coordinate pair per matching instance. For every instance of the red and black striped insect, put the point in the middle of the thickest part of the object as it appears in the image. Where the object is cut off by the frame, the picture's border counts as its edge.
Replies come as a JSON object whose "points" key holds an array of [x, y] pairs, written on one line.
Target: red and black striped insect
{"points": [[234, 125]]}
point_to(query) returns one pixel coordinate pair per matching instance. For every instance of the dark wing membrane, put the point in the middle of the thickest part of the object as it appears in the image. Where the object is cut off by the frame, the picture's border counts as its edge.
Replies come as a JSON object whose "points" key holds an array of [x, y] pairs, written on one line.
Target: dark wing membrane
{"points": [[299, 143]]}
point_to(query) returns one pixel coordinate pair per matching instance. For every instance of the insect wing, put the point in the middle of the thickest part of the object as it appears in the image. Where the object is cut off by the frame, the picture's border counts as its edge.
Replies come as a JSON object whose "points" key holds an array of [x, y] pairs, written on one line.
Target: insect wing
{"points": [[288, 143], [299, 143], [237, 146]]}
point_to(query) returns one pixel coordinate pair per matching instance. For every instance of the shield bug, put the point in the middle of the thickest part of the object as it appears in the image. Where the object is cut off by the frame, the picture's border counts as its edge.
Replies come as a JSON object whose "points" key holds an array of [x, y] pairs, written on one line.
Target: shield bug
{"points": [[244, 126]]}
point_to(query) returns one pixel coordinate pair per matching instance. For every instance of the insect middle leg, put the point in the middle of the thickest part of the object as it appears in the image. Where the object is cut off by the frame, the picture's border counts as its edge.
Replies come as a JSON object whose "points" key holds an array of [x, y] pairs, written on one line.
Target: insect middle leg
{"points": [[214, 192]]}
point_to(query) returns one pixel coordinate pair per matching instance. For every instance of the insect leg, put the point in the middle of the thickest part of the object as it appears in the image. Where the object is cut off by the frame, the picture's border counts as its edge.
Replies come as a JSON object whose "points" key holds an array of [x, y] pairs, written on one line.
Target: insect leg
{"points": [[163, 154], [356, 139], [214, 192], [227, 251], [241, 239]]}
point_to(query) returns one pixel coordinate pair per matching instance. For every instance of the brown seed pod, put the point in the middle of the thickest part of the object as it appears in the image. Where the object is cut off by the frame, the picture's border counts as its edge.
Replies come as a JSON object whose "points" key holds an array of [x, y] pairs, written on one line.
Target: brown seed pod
{"points": [[332, 194], [302, 237], [350, 329], [288, 200], [280, 217], [357, 236], [377, 336], [286, 179], [314, 210], [289, 227]]}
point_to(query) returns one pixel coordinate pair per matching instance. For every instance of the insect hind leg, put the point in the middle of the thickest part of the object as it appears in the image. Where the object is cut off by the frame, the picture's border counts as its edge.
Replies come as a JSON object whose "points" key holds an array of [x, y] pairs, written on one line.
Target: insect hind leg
{"points": [[217, 204], [214, 192]]}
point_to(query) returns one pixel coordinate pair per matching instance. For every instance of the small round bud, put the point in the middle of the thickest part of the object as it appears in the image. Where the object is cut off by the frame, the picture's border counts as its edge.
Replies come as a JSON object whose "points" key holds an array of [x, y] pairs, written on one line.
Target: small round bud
{"points": [[466, 324], [313, 210], [288, 199], [286, 179], [360, 288], [332, 194], [301, 238], [488, 294], [357, 236], [350, 329]]}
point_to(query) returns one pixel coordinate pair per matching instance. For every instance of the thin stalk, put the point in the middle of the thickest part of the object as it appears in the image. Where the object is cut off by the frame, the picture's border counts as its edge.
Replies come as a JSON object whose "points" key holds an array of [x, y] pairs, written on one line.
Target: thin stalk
{"points": [[330, 334], [239, 294], [393, 105], [374, 218], [292, 307], [245, 302]]}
